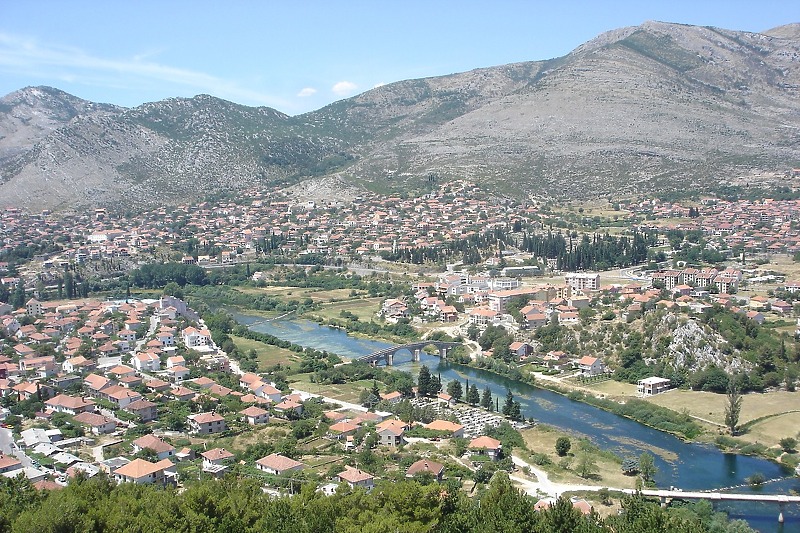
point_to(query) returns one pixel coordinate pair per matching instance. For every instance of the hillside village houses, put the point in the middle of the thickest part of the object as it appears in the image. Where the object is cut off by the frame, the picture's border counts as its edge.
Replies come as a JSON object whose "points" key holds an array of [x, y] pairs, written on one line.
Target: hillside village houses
{"points": [[131, 358], [133, 386]]}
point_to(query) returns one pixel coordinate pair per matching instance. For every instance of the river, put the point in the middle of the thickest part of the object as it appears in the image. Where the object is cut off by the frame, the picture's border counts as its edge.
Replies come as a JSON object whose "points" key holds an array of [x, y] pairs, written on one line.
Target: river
{"points": [[686, 465]]}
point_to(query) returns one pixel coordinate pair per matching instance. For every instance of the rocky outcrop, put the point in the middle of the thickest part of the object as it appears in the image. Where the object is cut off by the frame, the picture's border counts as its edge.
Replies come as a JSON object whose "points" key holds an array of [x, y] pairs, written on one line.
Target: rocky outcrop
{"points": [[694, 347]]}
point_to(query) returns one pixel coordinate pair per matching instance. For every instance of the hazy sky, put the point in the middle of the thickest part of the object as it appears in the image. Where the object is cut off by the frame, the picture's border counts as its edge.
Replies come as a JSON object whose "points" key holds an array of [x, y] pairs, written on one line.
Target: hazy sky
{"points": [[297, 56]]}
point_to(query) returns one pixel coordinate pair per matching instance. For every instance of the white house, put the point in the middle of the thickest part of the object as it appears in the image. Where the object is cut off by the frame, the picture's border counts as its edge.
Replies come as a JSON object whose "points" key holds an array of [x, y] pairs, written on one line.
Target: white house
{"points": [[216, 461], [278, 464], [652, 385], [357, 478], [162, 449], [207, 423], [146, 362], [590, 366], [195, 338], [175, 360], [97, 423], [486, 445], [255, 415], [265, 390]]}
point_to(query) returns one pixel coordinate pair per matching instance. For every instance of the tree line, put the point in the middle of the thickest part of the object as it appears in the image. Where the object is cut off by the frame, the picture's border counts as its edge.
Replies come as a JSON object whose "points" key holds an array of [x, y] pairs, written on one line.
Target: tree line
{"points": [[239, 505], [599, 252]]}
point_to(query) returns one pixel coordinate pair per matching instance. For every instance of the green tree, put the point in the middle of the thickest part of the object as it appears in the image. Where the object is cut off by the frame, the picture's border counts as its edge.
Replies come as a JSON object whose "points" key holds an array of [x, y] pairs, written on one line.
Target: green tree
{"points": [[586, 465], [486, 399], [368, 399], [789, 444], [563, 445], [173, 289], [562, 516], [424, 380], [69, 284], [455, 390], [18, 296], [647, 467], [733, 405], [473, 396], [508, 406]]}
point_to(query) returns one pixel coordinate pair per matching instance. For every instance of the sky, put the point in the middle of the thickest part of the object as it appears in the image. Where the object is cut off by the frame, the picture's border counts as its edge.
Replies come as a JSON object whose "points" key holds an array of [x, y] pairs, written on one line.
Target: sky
{"points": [[298, 56]]}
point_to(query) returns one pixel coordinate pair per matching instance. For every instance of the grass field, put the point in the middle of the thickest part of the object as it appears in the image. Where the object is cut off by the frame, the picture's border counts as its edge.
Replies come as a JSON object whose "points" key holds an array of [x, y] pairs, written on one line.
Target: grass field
{"points": [[542, 439], [301, 293], [771, 430], [345, 392], [710, 406], [274, 431], [364, 309], [267, 355]]}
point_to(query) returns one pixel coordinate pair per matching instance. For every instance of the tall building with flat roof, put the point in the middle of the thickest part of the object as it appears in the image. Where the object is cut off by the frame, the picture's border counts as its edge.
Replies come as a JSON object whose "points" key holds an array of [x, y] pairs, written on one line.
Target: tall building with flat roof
{"points": [[583, 280]]}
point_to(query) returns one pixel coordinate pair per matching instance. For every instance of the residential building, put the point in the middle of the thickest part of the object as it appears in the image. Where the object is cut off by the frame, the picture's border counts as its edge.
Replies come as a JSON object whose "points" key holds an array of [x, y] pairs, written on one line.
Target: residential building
{"points": [[255, 415], [278, 464], [391, 432], [485, 445], [357, 478], [142, 471], [583, 281], [590, 366], [207, 423], [161, 449], [426, 466], [652, 385], [217, 461], [144, 409], [455, 430], [146, 362], [97, 424], [71, 405]]}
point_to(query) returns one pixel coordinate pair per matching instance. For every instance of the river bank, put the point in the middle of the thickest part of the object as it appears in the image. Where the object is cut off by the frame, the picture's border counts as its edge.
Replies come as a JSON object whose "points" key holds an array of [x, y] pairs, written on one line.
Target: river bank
{"points": [[690, 466], [678, 424], [649, 413]]}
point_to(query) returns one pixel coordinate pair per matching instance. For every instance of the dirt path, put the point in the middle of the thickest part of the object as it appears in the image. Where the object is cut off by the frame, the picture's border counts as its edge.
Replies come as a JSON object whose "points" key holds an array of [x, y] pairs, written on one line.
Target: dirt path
{"points": [[543, 484]]}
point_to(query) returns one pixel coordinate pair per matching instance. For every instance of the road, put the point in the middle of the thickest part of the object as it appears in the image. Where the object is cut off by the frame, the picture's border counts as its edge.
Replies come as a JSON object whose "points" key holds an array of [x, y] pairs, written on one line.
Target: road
{"points": [[543, 485]]}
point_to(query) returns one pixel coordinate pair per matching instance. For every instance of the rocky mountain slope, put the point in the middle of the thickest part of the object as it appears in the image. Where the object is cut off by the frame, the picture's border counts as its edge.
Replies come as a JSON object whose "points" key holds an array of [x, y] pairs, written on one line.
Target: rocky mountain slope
{"points": [[656, 107]]}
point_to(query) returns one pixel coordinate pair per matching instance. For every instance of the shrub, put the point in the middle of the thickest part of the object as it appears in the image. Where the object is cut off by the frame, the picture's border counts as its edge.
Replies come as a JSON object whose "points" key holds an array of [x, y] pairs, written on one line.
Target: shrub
{"points": [[541, 459], [563, 445], [789, 444]]}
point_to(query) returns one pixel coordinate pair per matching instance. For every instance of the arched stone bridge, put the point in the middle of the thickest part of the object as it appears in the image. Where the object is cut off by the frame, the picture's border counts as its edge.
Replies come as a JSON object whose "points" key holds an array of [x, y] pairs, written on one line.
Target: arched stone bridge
{"points": [[415, 348]]}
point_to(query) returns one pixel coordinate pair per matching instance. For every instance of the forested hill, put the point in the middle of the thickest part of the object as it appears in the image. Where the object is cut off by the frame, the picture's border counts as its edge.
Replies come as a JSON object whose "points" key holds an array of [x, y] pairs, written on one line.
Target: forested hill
{"points": [[240, 506]]}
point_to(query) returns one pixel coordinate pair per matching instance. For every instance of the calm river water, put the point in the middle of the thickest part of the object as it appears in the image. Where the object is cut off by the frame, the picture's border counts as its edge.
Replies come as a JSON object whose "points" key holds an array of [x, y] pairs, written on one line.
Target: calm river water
{"points": [[680, 464]]}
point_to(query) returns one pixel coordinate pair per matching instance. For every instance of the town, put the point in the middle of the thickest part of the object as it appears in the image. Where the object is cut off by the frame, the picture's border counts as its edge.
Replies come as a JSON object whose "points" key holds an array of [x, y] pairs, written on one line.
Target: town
{"points": [[97, 379]]}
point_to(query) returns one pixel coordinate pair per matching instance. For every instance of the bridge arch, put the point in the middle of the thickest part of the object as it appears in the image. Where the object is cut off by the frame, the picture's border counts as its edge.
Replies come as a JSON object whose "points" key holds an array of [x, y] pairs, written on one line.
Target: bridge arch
{"points": [[415, 348]]}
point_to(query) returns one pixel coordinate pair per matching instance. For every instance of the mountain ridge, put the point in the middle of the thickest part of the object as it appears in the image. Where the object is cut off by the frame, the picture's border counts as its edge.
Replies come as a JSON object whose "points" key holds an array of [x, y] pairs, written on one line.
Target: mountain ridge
{"points": [[657, 107]]}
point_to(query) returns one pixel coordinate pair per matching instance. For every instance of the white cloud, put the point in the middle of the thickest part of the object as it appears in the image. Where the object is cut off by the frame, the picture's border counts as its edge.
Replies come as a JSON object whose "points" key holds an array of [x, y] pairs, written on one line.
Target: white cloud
{"points": [[22, 55], [379, 84], [306, 91], [344, 88]]}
